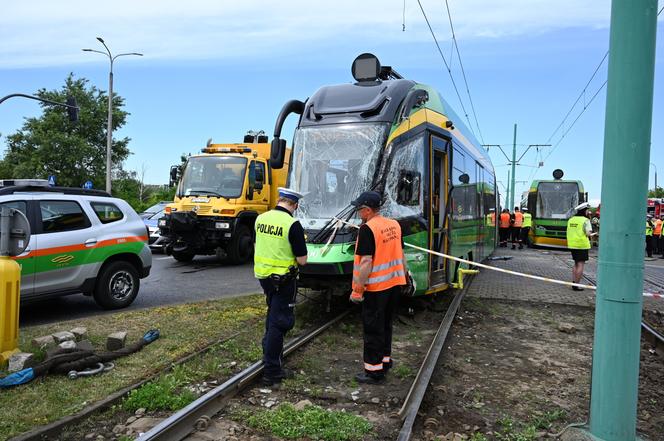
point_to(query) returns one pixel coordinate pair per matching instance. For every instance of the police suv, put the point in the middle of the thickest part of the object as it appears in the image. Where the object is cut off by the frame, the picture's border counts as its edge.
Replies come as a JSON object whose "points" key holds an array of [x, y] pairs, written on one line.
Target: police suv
{"points": [[82, 241]]}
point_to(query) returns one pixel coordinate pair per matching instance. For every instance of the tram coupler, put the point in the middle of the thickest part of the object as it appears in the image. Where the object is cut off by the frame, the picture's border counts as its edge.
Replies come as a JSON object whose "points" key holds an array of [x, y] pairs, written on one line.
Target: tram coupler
{"points": [[460, 274]]}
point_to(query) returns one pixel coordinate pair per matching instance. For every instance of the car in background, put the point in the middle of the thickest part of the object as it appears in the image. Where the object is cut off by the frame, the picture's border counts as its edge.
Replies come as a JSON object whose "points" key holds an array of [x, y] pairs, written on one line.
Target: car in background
{"points": [[156, 208], [155, 240], [82, 241]]}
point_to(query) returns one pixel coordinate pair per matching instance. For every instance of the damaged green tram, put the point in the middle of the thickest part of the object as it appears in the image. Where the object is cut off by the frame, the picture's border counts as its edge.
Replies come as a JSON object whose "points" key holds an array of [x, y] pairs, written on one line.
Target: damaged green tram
{"points": [[400, 138]]}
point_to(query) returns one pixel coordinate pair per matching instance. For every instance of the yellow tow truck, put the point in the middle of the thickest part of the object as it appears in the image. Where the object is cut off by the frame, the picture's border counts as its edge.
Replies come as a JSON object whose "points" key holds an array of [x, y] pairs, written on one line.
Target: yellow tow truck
{"points": [[219, 195]]}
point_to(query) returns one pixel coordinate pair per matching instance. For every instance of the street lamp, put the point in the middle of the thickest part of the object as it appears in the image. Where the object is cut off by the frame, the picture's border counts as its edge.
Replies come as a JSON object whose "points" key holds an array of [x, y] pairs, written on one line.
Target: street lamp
{"points": [[109, 130], [655, 176]]}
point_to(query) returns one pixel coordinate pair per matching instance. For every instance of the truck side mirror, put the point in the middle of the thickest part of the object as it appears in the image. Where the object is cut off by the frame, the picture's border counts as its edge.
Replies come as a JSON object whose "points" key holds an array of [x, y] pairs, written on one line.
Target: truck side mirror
{"points": [[173, 176], [252, 180], [277, 153]]}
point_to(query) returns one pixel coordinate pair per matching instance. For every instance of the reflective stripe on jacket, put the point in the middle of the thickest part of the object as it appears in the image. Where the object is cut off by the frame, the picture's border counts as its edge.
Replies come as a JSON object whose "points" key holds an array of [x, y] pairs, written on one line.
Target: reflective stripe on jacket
{"points": [[273, 253], [504, 220], [527, 220], [388, 268], [518, 219], [576, 236]]}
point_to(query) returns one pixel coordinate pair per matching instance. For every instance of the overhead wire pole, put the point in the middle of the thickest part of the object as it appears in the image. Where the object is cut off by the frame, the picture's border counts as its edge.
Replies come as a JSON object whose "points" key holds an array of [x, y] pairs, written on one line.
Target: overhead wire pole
{"points": [[511, 205], [628, 125]]}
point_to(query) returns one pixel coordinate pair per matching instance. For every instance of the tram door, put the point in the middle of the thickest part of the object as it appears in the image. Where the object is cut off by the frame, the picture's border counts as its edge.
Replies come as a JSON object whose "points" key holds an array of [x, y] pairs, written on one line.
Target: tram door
{"points": [[439, 200]]}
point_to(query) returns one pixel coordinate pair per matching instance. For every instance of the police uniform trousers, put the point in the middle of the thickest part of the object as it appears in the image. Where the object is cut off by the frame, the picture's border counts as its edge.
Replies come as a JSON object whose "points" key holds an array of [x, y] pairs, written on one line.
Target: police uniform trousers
{"points": [[280, 319], [649, 240], [378, 310], [524, 235], [515, 234]]}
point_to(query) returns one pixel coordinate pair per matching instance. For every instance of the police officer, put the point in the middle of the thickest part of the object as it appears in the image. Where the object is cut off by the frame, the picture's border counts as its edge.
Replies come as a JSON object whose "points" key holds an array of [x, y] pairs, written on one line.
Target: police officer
{"points": [[379, 276], [517, 223], [579, 231], [527, 224], [649, 238], [280, 247]]}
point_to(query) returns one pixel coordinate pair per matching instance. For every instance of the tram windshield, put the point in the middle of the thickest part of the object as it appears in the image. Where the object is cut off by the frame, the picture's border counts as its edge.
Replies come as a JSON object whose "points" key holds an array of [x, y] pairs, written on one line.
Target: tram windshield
{"points": [[331, 166], [556, 200]]}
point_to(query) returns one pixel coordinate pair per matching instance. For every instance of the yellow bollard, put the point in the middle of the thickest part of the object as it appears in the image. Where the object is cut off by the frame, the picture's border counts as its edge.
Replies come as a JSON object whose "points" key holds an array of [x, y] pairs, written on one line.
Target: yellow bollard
{"points": [[10, 295], [461, 273]]}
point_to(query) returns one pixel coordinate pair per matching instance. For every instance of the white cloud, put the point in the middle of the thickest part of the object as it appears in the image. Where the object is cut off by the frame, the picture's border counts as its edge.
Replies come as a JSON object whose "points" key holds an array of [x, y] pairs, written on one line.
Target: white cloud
{"points": [[47, 32]]}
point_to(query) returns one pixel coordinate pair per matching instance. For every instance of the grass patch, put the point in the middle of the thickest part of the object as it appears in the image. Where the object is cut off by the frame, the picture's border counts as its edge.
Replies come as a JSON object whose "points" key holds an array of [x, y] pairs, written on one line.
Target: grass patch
{"points": [[514, 431], [312, 422], [184, 329], [403, 371], [165, 393]]}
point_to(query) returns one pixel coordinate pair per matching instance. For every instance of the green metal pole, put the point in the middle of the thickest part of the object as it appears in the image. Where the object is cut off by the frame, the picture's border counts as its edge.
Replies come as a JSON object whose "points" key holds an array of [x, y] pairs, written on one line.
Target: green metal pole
{"points": [[511, 206], [507, 196], [629, 101]]}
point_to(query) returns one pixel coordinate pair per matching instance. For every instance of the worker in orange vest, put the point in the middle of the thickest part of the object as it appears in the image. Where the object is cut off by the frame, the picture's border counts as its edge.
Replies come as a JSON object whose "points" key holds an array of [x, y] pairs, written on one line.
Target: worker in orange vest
{"points": [[657, 232], [379, 277], [517, 223], [504, 227], [660, 238]]}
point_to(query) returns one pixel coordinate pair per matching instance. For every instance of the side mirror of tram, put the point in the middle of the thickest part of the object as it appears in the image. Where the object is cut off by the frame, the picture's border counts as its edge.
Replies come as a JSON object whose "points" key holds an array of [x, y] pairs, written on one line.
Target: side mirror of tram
{"points": [[277, 153]]}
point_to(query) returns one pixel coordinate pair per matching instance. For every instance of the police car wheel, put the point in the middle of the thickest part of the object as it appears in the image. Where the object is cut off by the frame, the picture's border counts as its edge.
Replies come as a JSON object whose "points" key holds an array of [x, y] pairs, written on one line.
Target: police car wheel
{"points": [[117, 285], [241, 248]]}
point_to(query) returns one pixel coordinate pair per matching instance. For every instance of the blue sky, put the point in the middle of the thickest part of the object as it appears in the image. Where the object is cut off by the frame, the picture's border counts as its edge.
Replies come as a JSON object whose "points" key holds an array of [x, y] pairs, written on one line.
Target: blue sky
{"points": [[215, 69]]}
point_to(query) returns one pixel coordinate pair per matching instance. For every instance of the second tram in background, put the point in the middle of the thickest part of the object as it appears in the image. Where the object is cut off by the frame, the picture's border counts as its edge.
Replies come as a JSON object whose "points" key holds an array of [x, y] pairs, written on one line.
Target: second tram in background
{"points": [[551, 203]]}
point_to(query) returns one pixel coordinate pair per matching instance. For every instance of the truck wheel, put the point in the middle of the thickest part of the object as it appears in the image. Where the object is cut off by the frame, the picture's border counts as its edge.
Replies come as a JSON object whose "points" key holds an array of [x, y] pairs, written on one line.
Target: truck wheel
{"points": [[241, 248], [117, 285], [183, 256]]}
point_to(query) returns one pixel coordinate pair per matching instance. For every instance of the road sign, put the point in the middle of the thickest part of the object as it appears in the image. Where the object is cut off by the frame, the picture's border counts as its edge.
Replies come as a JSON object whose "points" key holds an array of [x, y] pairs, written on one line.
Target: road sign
{"points": [[87, 185], [51, 180]]}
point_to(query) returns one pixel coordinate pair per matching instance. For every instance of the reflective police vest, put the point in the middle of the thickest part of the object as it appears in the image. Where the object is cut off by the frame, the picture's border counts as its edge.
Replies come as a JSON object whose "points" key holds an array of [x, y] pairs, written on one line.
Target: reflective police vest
{"points": [[648, 228], [658, 227], [273, 253], [504, 220], [518, 219], [576, 236], [527, 220], [388, 268]]}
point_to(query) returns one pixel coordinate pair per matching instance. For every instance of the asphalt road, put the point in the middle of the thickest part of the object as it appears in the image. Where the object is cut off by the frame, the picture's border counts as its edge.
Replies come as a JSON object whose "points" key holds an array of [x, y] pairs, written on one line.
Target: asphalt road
{"points": [[169, 282]]}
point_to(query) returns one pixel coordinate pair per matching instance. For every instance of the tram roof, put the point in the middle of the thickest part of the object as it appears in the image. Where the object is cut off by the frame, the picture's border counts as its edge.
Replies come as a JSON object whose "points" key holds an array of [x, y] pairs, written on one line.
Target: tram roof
{"points": [[379, 101]]}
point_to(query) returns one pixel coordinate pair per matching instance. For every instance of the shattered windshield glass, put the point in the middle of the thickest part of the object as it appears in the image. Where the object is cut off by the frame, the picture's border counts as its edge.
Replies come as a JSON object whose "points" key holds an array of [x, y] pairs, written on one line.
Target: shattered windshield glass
{"points": [[556, 200], [331, 166]]}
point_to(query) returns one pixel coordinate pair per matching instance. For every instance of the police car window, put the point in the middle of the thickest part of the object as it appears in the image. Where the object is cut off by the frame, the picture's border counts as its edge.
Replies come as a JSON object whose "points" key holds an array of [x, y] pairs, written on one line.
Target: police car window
{"points": [[60, 216], [107, 212], [17, 205]]}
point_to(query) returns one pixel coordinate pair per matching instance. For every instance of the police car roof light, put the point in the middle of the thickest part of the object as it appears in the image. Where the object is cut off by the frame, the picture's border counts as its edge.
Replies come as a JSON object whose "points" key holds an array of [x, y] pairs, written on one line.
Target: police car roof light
{"points": [[24, 182]]}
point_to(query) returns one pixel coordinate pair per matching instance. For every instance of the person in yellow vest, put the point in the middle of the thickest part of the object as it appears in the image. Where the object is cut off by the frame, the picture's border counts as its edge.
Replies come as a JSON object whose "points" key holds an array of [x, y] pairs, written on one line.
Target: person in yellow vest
{"points": [[579, 231], [280, 248], [379, 276], [525, 228], [656, 236], [649, 238], [517, 223]]}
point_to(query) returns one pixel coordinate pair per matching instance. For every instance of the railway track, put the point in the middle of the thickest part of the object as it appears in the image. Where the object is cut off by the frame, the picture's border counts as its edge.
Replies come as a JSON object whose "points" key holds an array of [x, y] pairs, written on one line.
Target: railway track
{"points": [[198, 414]]}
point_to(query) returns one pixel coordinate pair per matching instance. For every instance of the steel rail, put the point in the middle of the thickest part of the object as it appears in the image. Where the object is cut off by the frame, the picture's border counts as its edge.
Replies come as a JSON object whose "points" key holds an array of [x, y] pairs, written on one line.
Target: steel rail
{"points": [[411, 405], [197, 414]]}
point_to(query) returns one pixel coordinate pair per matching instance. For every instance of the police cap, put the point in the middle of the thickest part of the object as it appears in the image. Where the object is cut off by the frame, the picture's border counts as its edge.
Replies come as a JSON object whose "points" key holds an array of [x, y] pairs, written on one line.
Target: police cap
{"points": [[289, 194], [582, 206]]}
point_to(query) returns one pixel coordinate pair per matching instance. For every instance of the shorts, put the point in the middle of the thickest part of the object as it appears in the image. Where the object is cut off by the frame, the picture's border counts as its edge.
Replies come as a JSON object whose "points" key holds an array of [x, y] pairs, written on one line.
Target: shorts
{"points": [[580, 255]]}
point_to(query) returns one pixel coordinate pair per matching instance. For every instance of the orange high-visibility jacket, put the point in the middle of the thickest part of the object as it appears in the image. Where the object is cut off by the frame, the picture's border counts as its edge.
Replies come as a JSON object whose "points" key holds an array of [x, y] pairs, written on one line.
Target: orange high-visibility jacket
{"points": [[518, 219], [388, 268], [504, 220], [658, 227]]}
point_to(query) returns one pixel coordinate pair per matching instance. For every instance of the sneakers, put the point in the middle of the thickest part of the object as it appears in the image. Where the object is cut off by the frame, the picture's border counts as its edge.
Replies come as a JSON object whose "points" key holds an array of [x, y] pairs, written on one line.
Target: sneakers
{"points": [[365, 378]]}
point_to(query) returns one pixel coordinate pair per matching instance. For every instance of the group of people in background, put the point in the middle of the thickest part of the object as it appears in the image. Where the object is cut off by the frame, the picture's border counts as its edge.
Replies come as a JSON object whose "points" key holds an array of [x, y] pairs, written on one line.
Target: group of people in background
{"points": [[654, 238], [514, 227]]}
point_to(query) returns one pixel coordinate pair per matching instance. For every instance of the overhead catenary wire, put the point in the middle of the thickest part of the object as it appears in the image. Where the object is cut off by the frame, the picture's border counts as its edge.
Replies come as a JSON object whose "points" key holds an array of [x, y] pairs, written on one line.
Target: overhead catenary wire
{"points": [[463, 71], [447, 66]]}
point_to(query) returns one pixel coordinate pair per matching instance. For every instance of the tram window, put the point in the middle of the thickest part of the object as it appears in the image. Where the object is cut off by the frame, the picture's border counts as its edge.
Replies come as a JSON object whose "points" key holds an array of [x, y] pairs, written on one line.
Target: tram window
{"points": [[403, 189], [408, 188]]}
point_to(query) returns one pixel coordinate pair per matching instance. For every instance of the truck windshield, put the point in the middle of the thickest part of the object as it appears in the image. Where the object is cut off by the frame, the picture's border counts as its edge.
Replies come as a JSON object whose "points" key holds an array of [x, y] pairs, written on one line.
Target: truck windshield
{"points": [[331, 166], [213, 176], [556, 200]]}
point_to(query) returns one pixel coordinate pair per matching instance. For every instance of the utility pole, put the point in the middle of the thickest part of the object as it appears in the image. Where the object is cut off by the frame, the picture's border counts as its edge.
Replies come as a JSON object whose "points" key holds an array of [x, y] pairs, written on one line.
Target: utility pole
{"points": [[511, 206], [507, 196], [628, 123]]}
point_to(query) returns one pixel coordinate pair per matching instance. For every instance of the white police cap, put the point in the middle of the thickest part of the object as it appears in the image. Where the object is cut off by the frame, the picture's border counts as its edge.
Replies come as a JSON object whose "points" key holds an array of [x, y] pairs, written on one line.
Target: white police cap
{"points": [[289, 194], [582, 206]]}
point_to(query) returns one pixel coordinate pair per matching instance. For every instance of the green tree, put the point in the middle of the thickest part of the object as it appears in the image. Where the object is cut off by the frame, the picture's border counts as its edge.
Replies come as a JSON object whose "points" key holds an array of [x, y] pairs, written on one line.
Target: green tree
{"points": [[656, 193], [73, 152]]}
